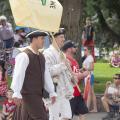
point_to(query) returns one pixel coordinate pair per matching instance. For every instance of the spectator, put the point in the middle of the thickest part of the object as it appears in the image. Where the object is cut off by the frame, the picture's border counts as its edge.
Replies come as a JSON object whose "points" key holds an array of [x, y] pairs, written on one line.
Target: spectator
{"points": [[88, 35], [108, 84], [115, 60], [88, 64], [15, 52], [6, 32], [8, 107], [20, 35], [3, 79], [112, 93]]}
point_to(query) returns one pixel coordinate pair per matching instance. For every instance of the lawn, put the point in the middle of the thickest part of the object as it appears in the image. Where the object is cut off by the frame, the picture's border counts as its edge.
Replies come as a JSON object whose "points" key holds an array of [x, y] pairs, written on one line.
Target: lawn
{"points": [[103, 72]]}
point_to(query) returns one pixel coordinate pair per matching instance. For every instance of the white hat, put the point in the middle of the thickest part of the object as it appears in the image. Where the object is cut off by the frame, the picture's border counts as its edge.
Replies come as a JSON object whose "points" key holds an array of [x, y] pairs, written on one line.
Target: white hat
{"points": [[3, 18]]}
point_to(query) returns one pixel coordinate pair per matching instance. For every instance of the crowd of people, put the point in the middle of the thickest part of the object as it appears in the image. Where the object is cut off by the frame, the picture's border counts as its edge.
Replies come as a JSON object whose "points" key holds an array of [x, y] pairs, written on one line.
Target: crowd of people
{"points": [[54, 71], [9, 36]]}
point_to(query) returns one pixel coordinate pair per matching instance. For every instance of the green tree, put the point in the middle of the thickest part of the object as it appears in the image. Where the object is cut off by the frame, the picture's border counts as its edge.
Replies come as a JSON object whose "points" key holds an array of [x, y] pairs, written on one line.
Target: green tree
{"points": [[107, 15], [5, 10]]}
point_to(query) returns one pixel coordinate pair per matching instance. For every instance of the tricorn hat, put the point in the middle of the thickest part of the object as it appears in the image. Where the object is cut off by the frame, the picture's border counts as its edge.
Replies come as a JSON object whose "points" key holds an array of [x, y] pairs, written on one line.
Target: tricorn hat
{"points": [[36, 33], [60, 32]]}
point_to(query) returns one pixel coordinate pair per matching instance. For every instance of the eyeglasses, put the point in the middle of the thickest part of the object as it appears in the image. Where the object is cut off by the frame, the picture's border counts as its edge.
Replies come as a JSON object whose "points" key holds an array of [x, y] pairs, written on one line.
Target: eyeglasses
{"points": [[116, 78]]}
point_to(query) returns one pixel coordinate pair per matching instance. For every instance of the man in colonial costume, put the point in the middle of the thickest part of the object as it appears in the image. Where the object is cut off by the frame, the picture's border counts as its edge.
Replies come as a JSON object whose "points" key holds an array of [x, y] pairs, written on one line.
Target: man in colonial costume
{"points": [[61, 110], [31, 76]]}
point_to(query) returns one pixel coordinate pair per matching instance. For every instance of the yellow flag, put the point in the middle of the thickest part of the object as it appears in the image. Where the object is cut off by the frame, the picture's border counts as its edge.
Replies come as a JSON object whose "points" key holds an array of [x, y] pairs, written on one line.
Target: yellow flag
{"points": [[40, 14]]}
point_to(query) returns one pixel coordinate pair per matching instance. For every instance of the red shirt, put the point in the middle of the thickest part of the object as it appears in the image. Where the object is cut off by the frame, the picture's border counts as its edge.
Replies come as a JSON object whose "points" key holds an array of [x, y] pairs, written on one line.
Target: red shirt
{"points": [[10, 106], [75, 67]]}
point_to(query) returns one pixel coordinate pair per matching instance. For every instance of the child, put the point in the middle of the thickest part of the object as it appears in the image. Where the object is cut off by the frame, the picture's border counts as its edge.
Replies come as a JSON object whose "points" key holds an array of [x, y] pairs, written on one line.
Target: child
{"points": [[3, 79], [8, 106]]}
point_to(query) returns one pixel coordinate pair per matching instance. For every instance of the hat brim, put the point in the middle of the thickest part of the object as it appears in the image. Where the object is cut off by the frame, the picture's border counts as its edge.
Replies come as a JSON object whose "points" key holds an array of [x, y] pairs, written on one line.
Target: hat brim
{"points": [[60, 32], [36, 34]]}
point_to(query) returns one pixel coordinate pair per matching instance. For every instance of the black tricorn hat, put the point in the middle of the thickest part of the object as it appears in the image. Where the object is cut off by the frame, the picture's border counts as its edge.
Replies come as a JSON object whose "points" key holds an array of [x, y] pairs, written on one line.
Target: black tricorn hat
{"points": [[36, 33], [60, 32]]}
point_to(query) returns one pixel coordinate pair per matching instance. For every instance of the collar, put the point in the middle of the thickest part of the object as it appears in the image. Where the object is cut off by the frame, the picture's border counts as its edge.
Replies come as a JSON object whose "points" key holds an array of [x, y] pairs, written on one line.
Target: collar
{"points": [[53, 48], [29, 47]]}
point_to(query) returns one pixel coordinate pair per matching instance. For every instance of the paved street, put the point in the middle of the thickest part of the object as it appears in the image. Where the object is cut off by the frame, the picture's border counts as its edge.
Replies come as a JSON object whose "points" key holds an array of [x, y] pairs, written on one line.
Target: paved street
{"points": [[92, 116], [95, 116]]}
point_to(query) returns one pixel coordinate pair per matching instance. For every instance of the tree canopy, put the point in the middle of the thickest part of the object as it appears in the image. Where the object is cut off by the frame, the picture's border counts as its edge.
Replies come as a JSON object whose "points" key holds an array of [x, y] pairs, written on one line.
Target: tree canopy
{"points": [[106, 17], [104, 13]]}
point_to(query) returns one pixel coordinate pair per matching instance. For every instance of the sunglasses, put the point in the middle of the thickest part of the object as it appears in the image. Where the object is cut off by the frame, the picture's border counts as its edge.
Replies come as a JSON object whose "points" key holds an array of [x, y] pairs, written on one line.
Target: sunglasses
{"points": [[116, 78]]}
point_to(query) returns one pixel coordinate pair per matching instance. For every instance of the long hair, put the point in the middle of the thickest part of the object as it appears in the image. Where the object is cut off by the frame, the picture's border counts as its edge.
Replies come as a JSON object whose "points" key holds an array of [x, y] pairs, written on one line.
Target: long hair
{"points": [[2, 64]]}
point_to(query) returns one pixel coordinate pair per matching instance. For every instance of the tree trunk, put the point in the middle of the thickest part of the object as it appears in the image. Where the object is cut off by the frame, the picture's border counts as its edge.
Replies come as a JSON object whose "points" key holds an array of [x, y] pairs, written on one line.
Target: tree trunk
{"points": [[71, 21]]}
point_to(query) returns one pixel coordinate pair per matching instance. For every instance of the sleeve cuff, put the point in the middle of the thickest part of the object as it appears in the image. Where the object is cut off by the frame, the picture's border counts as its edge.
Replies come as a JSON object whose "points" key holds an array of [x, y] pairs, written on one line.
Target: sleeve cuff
{"points": [[53, 94], [17, 95]]}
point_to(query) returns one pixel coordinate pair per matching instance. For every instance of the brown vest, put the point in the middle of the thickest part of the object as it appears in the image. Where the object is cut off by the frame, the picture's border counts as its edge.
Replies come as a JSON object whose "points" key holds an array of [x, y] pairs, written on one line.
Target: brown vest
{"points": [[34, 75]]}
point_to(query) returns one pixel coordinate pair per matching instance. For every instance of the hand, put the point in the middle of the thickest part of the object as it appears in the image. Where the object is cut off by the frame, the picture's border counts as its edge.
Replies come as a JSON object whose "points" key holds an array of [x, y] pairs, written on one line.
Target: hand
{"points": [[17, 101], [85, 73], [88, 76], [53, 99]]}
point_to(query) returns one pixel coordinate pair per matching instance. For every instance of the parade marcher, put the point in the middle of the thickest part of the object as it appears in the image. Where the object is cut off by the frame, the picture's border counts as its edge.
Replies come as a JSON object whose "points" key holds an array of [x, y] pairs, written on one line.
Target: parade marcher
{"points": [[61, 110], [88, 35], [78, 105], [31, 76], [6, 32], [88, 64], [19, 35]]}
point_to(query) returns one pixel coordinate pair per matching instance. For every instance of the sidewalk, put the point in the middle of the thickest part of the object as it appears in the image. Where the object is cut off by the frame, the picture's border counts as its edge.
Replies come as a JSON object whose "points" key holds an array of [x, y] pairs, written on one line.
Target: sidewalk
{"points": [[93, 116]]}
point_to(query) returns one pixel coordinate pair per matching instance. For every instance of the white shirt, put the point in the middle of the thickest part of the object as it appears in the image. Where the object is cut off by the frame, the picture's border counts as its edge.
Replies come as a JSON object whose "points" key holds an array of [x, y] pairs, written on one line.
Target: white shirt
{"points": [[113, 89], [22, 61], [88, 61], [58, 71], [53, 61], [17, 37], [15, 52]]}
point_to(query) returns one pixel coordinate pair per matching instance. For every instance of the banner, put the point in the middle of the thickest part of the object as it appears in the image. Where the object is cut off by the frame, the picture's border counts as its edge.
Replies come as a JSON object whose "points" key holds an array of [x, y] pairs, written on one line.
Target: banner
{"points": [[40, 14], [87, 87]]}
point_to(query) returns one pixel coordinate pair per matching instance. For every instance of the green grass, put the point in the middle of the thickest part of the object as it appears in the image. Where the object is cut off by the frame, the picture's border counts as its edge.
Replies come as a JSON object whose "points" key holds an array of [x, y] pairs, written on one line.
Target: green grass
{"points": [[103, 72], [9, 81]]}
